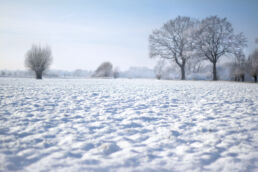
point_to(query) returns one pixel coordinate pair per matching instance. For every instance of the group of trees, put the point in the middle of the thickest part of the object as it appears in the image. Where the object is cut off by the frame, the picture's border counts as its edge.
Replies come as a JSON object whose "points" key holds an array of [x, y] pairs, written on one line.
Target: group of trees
{"points": [[252, 64], [183, 39], [243, 66]]}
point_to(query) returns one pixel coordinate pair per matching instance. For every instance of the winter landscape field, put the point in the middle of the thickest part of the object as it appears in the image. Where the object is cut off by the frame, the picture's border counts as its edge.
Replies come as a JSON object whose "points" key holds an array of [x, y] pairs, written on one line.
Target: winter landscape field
{"points": [[127, 125]]}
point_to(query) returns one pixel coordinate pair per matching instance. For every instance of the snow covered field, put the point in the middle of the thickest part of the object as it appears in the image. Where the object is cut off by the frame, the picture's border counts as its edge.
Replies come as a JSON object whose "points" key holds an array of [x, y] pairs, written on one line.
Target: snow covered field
{"points": [[127, 125]]}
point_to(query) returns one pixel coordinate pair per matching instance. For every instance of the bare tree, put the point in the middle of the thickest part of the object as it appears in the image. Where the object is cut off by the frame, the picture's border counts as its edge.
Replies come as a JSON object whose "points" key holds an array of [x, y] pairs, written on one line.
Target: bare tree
{"points": [[159, 68], [252, 65], [38, 59], [116, 72], [104, 70], [2, 73], [239, 66], [215, 39], [174, 41]]}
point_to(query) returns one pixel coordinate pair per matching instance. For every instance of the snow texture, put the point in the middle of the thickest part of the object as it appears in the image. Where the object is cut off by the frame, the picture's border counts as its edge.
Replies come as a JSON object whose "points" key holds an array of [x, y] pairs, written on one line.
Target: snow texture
{"points": [[127, 125]]}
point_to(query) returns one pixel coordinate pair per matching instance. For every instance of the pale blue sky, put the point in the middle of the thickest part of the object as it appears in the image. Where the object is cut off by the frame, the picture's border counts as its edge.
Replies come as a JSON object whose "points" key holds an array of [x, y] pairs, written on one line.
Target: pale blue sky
{"points": [[83, 34]]}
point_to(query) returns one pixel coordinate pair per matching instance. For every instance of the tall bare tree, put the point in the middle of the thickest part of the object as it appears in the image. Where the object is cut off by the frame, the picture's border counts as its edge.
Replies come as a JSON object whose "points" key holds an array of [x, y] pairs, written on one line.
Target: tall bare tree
{"points": [[174, 41], [215, 39], [38, 59]]}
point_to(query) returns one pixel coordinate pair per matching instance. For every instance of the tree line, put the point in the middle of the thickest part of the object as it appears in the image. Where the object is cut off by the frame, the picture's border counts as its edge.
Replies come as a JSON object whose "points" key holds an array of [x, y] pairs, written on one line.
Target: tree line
{"points": [[183, 41]]}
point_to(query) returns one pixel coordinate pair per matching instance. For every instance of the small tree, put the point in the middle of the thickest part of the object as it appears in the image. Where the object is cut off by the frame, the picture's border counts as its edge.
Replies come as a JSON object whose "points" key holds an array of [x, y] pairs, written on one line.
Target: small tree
{"points": [[38, 59], [252, 65], [159, 69], [116, 72], [215, 39], [3, 73], [174, 41], [239, 66], [104, 70]]}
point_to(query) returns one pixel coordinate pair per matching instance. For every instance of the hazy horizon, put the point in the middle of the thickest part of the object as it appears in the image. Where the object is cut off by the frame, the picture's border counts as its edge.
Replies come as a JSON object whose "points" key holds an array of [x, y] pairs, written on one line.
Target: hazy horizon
{"points": [[83, 34]]}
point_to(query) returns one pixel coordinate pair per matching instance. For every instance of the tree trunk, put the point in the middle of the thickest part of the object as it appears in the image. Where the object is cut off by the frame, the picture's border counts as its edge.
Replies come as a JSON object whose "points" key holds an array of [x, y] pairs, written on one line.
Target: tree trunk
{"points": [[255, 78], [182, 72], [243, 78], [38, 75], [158, 77], [214, 72]]}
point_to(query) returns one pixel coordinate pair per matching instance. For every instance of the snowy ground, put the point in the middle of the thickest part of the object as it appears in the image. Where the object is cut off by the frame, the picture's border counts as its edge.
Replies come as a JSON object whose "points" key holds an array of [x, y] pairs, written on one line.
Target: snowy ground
{"points": [[127, 125]]}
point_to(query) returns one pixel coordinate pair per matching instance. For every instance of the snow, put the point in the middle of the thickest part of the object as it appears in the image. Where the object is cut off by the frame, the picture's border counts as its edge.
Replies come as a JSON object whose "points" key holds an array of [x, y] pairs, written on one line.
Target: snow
{"points": [[127, 125]]}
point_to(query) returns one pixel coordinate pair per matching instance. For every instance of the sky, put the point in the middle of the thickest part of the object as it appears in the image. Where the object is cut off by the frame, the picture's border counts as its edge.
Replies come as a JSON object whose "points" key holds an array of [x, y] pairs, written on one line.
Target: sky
{"points": [[84, 33]]}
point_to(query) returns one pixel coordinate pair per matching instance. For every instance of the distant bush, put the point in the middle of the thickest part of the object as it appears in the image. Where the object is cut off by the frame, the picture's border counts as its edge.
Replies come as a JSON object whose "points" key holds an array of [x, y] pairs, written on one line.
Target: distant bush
{"points": [[38, 59], [104, 70]]}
